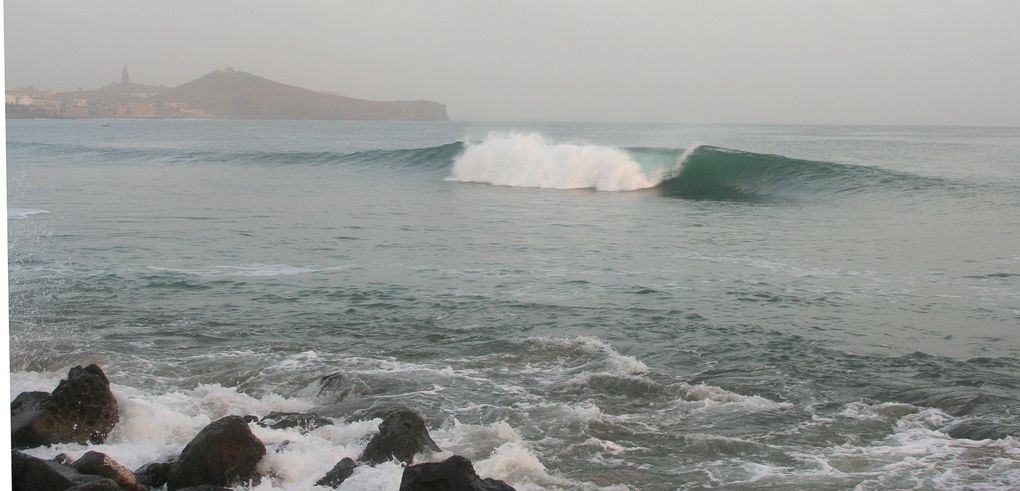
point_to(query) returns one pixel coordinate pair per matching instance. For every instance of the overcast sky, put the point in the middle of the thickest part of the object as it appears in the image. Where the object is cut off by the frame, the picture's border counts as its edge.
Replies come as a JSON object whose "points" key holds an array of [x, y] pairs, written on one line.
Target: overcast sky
{"points": [[796, 61]]}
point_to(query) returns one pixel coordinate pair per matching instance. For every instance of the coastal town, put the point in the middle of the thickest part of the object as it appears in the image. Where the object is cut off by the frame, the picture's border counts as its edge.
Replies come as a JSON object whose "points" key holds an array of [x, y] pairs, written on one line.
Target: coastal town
{"points": [[115, 100], [224, 94]]}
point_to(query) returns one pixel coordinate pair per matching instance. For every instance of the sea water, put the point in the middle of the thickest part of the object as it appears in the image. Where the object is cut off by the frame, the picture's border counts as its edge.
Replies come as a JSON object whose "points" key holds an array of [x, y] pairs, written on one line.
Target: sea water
{"points": [[571, 306]]}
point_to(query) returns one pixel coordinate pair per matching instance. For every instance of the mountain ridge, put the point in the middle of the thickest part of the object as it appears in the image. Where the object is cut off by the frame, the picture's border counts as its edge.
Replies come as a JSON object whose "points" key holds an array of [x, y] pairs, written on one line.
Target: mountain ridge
{"points": [[221, 94], [236, 94]]}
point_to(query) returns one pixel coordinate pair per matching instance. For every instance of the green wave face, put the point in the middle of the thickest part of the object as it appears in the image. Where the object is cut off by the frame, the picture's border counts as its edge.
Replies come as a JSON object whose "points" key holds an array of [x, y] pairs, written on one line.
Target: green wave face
{"points": [[713, 173]]}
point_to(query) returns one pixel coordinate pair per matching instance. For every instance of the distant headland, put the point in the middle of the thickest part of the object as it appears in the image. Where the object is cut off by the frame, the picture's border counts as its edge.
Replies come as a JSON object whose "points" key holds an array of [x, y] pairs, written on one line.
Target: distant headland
{"points": [[223, 94]]}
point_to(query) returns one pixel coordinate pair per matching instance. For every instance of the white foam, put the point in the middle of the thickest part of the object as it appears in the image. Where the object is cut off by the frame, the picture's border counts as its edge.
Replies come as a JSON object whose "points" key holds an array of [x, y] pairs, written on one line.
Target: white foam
{"points": [[915, 455], [709, 397], [883, 411], [609, 446], [618, 364], [529, 160], [23, 213], [157, 426], [475, 441], [514, 463]]}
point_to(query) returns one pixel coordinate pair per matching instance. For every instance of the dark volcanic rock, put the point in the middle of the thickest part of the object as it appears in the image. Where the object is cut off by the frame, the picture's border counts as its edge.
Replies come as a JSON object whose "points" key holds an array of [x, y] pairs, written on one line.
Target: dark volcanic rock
{"points": [[402, 434], [28, 401], [153, 474], [378, 410], [100, 484], [453, 474], [222, 454], [31, 474], [62, 458], [100, 464], [81, 410], [340, 472], [279, 421]]}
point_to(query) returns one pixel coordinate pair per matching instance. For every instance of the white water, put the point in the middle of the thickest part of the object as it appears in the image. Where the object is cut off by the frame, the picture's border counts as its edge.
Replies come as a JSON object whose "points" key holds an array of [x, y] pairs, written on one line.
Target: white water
{"points": [[157, 426], [529, 160]]}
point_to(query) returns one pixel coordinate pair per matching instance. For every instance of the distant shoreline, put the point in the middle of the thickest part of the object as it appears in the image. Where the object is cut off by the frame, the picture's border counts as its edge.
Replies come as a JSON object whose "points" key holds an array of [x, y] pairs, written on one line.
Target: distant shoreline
{"points": [[222, 94]]}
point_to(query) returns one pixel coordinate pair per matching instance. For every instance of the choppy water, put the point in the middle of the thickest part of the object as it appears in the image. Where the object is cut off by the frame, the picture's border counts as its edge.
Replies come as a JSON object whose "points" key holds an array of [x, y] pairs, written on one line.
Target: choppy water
{"points": [[571, 305]]}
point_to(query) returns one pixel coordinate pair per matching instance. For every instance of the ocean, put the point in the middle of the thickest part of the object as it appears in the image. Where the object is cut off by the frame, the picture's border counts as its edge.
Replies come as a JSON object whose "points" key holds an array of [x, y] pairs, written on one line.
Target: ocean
{"points": [[571, 306]]}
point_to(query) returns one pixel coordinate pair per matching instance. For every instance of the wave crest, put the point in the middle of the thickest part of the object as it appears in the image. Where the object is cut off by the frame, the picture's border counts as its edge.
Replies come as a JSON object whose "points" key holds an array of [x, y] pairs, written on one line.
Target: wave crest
{"points": [[697, 172], [529, 160]]}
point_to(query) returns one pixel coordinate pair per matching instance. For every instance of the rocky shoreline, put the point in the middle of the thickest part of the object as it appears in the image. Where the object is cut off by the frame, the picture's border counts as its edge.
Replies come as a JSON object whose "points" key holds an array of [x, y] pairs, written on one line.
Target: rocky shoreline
{"points": [[82, 409]]}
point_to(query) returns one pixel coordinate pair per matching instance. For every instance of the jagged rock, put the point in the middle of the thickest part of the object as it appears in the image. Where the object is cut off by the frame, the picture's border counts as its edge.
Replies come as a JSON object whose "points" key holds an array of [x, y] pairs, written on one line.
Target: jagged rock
{"points": [[222, 454], [453, 474], [28, 401], [402, 434], [153, 474], [80, 410], [277, 421], [100, 464], [32, 474], [250, 418], [340, 472], [344, 386]]}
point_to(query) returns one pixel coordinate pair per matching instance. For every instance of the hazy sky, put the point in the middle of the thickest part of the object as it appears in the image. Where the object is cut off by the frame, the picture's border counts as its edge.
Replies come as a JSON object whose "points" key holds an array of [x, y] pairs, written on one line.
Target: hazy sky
{"points": [[796, 61]]}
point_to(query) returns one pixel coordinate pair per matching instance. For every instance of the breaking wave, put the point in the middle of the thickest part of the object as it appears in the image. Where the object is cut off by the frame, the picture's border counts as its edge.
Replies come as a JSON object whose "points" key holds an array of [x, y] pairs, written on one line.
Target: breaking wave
{"points": [[530, 160], [697, 172]]}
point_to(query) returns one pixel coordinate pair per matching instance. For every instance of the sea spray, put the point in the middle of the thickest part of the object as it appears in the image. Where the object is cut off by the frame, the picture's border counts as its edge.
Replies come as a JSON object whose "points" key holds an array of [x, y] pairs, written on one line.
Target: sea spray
{"points": [[529, 160]]}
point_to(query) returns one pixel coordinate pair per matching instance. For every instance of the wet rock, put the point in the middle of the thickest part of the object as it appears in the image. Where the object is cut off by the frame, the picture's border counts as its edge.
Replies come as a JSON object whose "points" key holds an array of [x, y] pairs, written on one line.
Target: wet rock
{"points": [[250, 418], [62, 458], [222, 454], [343, 386], [378, 410], [453, 474], [100, 464], [402, 434], [32, 474], [28, 401], [340, 472], [100, 484], [80, 410], [205, 487], [153, 474], [306, 422]]}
